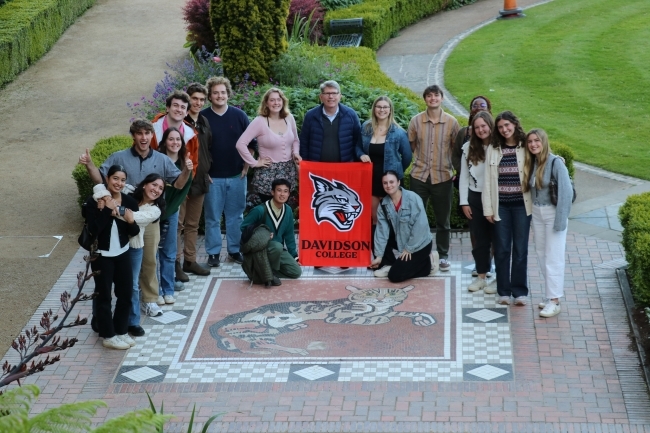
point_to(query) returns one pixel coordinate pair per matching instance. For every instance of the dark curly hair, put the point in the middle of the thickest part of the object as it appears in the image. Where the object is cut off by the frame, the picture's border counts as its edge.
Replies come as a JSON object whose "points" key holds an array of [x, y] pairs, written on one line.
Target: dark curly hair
{"points": [[520, 135]]}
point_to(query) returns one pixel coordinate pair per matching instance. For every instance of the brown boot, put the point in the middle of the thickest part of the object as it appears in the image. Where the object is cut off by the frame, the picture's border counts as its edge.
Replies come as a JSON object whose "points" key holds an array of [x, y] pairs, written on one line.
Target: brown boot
{"points": [[180, 275], [195, 268]]}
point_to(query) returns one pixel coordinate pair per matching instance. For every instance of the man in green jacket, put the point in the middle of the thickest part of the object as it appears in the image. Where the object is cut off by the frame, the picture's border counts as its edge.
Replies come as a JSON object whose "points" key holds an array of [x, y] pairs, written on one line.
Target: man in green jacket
{"points": [[278, 216]]}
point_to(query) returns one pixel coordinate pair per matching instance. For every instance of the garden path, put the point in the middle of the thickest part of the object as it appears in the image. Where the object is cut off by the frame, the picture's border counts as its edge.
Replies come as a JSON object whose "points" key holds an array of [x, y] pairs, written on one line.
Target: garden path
{"points": [[65, 102]]}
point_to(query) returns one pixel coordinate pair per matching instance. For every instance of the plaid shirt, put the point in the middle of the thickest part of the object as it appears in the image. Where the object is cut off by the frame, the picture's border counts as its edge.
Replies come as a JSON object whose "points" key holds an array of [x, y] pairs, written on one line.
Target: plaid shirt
{"points": [[433, 143]]}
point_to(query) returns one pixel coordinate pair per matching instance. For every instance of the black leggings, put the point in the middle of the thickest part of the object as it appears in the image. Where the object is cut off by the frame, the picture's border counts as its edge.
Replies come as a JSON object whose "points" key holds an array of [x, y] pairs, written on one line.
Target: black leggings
{"points": [[418, 266], [114, 270]]}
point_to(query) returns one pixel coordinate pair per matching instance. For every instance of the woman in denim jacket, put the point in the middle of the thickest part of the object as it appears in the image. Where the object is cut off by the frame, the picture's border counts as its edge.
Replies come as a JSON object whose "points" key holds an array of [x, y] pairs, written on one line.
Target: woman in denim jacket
{"points": [[386, 145], [402, 225]]}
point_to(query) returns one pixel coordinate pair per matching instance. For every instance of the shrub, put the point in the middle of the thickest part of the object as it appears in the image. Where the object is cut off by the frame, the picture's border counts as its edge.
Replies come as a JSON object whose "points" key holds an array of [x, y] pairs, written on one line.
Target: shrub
{"points": [[309, 10], [383, 18], [196, 14], [456, 4], [565, 152], [99, 153], [635, 219], [251, 35], [29, 28], [331, 5]]}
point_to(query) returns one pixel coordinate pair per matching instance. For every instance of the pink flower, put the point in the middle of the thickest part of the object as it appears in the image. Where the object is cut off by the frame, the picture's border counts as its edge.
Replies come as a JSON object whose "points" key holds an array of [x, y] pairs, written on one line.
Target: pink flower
{"points": [[216, 59]]}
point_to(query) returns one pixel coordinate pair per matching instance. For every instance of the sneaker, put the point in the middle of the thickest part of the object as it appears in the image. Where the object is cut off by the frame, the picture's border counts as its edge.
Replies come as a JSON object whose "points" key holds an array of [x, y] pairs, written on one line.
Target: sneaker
{"points": [[136, 331], [435, 263], [169, 299], [274, 282], [520, 301], [504, 300], [115, 342], [551, 309], [477, 285], [382, 272], [194, 268], [180, 275], [488, 274], [127, 339], [213, 260], [491, 288], [151, 309], [474, 273], [237, 257], [542, 304], [444, 265], [161, 300], [179, 286]]}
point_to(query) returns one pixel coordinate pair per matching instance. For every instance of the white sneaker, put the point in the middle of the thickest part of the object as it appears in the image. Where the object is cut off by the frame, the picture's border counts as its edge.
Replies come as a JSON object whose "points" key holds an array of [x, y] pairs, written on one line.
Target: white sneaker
{"points": [[151, 309], [169, 299], [127, 339], [551, 309], [444, 265], [435, 263], [542, 304], [491, 288], [382, 273], [504, 300], [115, 342], [161, 300], [477, 285]]}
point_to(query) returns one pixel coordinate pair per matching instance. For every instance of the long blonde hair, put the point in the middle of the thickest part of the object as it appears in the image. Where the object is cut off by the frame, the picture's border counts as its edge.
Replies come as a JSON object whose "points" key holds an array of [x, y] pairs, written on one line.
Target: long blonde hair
{"points": [[373, 116], [541, 158]]}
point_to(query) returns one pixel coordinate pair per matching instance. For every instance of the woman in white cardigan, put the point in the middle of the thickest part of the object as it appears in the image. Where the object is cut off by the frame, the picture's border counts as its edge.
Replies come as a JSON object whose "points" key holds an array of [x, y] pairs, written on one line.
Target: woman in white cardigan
{"points": [[471, 181]]}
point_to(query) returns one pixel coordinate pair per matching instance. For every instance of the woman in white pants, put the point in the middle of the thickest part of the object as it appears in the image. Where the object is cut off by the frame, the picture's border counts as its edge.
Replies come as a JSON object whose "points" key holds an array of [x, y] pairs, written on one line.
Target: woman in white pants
{"points": [[549, 222]]}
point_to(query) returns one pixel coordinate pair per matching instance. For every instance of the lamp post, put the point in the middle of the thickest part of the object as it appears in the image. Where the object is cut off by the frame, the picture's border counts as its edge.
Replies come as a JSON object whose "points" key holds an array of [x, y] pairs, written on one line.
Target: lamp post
{"points": [[510, 10]]}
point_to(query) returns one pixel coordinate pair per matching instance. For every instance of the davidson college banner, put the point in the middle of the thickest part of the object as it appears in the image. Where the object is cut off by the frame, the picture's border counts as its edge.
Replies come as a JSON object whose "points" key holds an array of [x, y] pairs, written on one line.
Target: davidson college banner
{"points": [[335, 215]]}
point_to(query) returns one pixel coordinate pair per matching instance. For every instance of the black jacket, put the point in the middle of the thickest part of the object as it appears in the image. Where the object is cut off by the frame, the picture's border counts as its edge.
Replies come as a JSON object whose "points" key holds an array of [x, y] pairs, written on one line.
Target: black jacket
{"points": [[201, 183], [100, 222]]}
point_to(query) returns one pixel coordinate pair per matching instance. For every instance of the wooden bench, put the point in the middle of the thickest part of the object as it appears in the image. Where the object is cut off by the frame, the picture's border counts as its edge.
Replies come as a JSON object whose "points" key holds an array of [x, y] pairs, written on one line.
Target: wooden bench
{"points": [[345, 33]]}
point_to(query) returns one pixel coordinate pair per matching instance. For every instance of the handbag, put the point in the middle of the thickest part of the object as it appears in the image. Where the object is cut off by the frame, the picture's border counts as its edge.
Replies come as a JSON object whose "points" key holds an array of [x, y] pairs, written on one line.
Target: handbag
{"points": [[552, 187], [86, 238]]}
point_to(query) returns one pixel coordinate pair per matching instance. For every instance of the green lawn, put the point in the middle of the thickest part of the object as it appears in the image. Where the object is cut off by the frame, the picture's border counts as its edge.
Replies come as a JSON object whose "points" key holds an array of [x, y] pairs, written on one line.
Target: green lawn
{"points": [[580, 69]]}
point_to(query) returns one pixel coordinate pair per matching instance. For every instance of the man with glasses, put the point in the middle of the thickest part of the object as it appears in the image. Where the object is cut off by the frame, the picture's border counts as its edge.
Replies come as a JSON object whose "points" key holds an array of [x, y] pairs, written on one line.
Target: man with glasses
{"points": [[330, 131]]}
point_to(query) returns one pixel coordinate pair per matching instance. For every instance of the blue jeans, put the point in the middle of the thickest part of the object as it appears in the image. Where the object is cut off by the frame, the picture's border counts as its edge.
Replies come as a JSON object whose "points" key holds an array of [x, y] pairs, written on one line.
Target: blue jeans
{"points": [[135, 255], [167, 254], [511, 239], [227, 196]]}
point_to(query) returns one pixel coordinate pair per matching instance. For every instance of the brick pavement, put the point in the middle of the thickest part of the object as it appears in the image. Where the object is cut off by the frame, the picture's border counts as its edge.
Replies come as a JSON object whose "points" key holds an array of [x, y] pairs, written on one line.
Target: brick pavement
{"points": [[571, 373]]}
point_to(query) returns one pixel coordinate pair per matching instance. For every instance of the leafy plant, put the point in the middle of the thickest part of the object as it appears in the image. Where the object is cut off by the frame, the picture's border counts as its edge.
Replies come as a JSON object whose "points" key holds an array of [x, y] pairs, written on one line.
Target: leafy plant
{"points": [[331, 5], [191, 424], [196, 14], [306, 15], [456, 4]]}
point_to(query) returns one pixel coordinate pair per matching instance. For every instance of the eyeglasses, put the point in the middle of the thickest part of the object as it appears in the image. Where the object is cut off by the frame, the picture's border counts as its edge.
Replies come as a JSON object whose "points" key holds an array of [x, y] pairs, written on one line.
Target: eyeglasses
{"points": [[479, 105], [382, 107], [330, 93]]}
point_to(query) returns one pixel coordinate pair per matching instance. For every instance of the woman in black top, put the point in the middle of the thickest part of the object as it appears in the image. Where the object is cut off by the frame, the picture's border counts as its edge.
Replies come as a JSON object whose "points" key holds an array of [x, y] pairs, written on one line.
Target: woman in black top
{"points": [[110, 219]]}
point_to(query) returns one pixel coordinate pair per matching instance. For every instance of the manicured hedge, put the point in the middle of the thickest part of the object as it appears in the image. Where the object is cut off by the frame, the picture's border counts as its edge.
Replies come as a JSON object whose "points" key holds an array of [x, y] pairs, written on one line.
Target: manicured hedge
{"points": [[635, 219], [382, 19], [99, 153], [565, 152], [29, 28]]}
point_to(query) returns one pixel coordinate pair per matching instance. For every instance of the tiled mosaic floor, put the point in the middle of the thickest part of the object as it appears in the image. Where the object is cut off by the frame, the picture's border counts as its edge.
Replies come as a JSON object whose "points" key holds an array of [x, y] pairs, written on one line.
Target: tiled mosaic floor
{"points": [[470, 340]]}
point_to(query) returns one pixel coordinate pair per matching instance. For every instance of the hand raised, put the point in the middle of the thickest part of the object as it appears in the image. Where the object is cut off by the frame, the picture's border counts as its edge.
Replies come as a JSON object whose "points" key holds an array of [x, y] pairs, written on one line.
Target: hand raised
{"points": [[85, 158]]}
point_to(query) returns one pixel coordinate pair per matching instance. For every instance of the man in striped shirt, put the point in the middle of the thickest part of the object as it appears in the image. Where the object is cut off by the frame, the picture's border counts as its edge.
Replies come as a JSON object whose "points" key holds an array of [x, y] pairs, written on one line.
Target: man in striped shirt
{"points": [[432, 134]]}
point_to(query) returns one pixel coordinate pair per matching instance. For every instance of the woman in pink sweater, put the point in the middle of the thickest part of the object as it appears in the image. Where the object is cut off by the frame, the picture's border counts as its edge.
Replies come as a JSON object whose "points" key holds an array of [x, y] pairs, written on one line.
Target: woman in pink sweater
{"points": [[278, 145]]}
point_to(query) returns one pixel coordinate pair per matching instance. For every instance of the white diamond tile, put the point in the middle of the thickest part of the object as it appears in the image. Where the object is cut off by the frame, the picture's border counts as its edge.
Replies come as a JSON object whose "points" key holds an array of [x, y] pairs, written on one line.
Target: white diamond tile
{"points": [[484, 315], [141, 374], [168, 317], [314, 372], [488, 372]]}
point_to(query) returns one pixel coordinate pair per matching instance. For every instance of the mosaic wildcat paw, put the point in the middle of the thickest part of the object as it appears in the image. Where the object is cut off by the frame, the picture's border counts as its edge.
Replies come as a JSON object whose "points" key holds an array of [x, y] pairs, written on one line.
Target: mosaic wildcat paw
{"points": [[424, 320]]}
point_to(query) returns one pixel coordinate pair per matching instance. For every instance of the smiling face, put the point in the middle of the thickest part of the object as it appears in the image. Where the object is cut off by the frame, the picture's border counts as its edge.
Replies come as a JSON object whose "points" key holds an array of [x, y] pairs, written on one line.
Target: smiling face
{"points": [[330, 97], [479, 104], [219, 96], [280, 194], [115, 182], [197, 101], [481, 128], [142, 140], [153, 190], [173, 143], [274, 102], [382, 110], [390, 183], [506, 129], [177, 110], [534, 144], [433, 100]]}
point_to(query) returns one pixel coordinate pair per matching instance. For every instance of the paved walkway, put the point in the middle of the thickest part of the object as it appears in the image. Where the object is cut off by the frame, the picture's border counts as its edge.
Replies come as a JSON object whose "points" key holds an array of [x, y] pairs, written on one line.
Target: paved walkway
{"points": [[479, 367]]}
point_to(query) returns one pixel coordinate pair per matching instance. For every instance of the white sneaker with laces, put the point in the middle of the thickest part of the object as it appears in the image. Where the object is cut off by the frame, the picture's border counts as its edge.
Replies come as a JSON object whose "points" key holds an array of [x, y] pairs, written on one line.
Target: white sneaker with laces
{"points": [[115, 342], [161, 300], [151, 309], [491, 288], [127, 339], [169, 299], [382, 272], [504, 300], [477, 285], [551, 309], [542, 304]]}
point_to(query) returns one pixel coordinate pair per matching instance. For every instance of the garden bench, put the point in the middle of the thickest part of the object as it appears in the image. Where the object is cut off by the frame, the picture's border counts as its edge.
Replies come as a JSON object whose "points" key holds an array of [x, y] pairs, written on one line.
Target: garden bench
{"points": [[349, 33]]}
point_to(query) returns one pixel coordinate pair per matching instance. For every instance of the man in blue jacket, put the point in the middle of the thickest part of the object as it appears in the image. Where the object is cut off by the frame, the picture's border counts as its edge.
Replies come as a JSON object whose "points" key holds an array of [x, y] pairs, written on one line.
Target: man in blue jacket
{"points": [[330, 132]]}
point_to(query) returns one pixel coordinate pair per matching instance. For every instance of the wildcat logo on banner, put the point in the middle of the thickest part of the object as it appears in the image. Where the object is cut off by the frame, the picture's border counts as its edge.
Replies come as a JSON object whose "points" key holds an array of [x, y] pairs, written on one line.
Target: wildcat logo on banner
{"points": [[335, 202]]}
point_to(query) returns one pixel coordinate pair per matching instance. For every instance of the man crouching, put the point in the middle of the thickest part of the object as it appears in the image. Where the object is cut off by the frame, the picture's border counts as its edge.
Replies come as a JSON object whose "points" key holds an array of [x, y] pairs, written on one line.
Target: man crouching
{"points": [[265, 231]]}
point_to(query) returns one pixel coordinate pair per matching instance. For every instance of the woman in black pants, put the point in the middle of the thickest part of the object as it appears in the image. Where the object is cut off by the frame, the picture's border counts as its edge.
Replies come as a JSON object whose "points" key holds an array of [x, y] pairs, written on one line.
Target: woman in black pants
{"points": [[110, 219]]}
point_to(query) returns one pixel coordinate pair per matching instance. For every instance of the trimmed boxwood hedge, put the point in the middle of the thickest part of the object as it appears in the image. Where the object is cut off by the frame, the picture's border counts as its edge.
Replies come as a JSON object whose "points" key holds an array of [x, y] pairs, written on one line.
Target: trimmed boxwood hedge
{"points": [[29, 28], [384, 18], [635, 219]]}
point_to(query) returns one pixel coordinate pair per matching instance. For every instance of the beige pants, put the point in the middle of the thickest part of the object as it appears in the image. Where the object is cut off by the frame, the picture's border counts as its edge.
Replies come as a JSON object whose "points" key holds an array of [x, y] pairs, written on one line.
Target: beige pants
{"points": [[188, 219], [148, 274]]}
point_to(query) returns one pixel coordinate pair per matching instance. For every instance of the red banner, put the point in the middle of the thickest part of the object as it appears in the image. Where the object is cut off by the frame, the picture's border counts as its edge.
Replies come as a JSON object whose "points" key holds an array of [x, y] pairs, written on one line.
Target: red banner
{"points": [[335, 216]]}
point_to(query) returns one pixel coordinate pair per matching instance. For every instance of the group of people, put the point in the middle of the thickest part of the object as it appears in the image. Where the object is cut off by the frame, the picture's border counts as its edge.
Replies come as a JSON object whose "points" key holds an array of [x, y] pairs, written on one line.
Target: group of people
{"points": [[192, 159]]}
